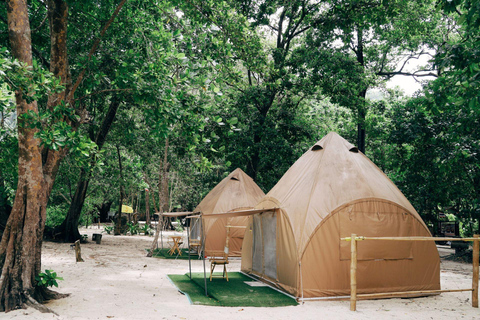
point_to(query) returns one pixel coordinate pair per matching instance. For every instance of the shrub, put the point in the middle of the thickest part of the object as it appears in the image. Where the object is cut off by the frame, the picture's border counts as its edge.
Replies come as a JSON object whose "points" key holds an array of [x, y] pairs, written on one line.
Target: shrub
{"points": [[108, 229], [47, 279], [55, 215]]}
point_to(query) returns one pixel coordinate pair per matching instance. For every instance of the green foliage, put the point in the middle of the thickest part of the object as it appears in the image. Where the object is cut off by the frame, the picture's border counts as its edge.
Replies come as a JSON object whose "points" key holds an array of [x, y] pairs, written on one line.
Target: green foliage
{"points": [[108, 229], [133, 228], [48, 278], [54, 124], [55, 215], [33, 82], [231, 84], [145, 229], [89, 213], [437, 134]]}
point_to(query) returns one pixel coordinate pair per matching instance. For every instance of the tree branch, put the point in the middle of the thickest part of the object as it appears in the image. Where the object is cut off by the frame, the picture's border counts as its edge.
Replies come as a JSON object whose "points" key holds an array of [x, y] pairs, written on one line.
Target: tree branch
{"points": [[65, 197], [417, 73], [411, 74], [41, 24], [40, 57], [94, 48]]}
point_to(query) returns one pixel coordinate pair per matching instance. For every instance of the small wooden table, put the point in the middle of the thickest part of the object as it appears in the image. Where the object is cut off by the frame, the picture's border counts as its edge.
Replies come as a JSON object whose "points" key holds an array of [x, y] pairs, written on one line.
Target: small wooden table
{"points": [[177, 241]]}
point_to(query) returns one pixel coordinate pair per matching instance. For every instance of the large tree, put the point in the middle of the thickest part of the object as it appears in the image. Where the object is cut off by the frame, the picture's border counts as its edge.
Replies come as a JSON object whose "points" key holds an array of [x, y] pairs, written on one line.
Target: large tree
{"points": [[437, 134], [366, 43], [40, 152]]}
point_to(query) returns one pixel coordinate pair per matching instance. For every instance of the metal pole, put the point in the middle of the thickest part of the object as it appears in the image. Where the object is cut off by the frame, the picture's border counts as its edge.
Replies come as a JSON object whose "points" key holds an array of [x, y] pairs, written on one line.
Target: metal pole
{"points": [[203, 257], [188, 248]]}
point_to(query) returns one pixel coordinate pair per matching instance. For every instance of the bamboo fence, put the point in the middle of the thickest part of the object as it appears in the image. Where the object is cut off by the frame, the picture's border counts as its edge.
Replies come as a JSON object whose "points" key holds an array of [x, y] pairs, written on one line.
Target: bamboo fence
{"points": [[353, 269]]}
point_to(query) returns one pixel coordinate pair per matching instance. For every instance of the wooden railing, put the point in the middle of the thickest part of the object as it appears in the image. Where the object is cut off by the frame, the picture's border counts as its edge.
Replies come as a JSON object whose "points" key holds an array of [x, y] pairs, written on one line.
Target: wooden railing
{"points": [[353, 268]]}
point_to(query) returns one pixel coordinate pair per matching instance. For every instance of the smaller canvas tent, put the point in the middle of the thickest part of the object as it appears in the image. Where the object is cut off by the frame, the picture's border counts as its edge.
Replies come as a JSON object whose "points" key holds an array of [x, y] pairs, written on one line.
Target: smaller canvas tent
{"points": [[236, 192], [332, 191]]}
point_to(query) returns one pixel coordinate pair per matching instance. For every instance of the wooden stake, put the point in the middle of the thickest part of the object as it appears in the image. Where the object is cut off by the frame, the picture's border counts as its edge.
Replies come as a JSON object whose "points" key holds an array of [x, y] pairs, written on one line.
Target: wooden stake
{"points": [[353, 274], [78, 253], [475, 257]]}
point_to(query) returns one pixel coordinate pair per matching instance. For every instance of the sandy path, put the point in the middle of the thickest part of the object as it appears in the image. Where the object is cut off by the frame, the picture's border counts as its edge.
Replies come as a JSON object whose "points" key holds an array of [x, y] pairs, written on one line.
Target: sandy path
{"points": [[117, 281]]}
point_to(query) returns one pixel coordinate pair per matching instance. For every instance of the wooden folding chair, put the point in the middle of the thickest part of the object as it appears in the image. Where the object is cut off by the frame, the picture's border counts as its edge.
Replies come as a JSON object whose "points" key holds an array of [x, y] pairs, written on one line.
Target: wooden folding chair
{"points": [[220, 261], [223, 260], [196, 246]]}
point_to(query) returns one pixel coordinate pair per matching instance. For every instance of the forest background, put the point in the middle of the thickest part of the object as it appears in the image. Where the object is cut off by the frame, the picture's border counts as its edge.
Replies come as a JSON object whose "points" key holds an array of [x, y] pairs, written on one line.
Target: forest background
{"points": [[119, 97]]}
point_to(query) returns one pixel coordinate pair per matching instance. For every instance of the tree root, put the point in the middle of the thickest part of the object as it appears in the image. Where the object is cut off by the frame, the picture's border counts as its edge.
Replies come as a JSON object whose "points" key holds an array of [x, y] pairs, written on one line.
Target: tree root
{"points": [[41, 295], [52, 295], [38, 306]]}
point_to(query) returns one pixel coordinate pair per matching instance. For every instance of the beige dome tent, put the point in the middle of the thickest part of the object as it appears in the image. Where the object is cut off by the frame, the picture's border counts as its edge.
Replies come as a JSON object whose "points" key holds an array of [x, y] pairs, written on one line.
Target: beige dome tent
{"points": [[236, 192], [332, 191]]}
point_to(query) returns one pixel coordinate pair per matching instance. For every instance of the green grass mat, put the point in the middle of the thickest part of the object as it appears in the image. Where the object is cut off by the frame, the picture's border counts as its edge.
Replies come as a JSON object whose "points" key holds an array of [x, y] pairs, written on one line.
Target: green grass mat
{"points": [[163, 254], [234, 293]]}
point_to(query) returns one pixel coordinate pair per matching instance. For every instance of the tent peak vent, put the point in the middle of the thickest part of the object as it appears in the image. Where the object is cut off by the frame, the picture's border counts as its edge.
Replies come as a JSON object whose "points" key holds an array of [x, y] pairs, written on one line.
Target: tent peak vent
{"points": [[317, 147], [353, 149]]}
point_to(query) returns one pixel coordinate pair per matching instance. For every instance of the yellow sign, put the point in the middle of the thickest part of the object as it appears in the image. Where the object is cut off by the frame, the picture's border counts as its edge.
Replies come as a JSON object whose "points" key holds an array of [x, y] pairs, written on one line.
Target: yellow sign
{"points": [[127, 209]]}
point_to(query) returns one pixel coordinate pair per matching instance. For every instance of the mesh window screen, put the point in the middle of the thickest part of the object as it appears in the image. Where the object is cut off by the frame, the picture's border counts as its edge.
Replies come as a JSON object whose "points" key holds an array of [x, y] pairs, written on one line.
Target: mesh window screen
{"points": [[257, 245], [269, 228], [195, 231]]}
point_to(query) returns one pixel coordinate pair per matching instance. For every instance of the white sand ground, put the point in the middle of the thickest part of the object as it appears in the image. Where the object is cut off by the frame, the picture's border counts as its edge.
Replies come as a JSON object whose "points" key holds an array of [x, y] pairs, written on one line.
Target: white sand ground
{"points": [[118, 281]]}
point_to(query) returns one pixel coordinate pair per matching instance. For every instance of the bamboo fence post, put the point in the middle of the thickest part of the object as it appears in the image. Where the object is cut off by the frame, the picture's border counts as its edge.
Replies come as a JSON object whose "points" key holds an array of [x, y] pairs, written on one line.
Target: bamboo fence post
{"points": [[353, 273], [475, 257]]}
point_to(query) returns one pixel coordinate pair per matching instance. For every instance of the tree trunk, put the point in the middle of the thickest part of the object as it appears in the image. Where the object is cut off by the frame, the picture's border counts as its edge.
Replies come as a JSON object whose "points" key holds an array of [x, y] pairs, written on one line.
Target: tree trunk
{"points": [[21, 244], [69, 227], [253, 166], [147, 181], [118, 223], [68, 230], [163, 196], [20, 247], [147, 207], [163, 199], [362, 95], [103, 211], [361, 133]]}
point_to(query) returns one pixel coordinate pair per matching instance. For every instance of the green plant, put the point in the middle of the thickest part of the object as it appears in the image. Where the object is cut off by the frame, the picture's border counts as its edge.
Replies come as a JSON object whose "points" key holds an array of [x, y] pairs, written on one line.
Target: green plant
{"points": [[145, 229], [132, 228], [108, 229], [55, 215], [47, 279]]}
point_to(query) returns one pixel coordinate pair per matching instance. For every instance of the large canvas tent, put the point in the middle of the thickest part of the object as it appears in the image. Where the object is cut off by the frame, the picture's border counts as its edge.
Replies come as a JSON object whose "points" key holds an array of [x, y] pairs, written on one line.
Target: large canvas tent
{"points": [[332, 191], [236, 192]]}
